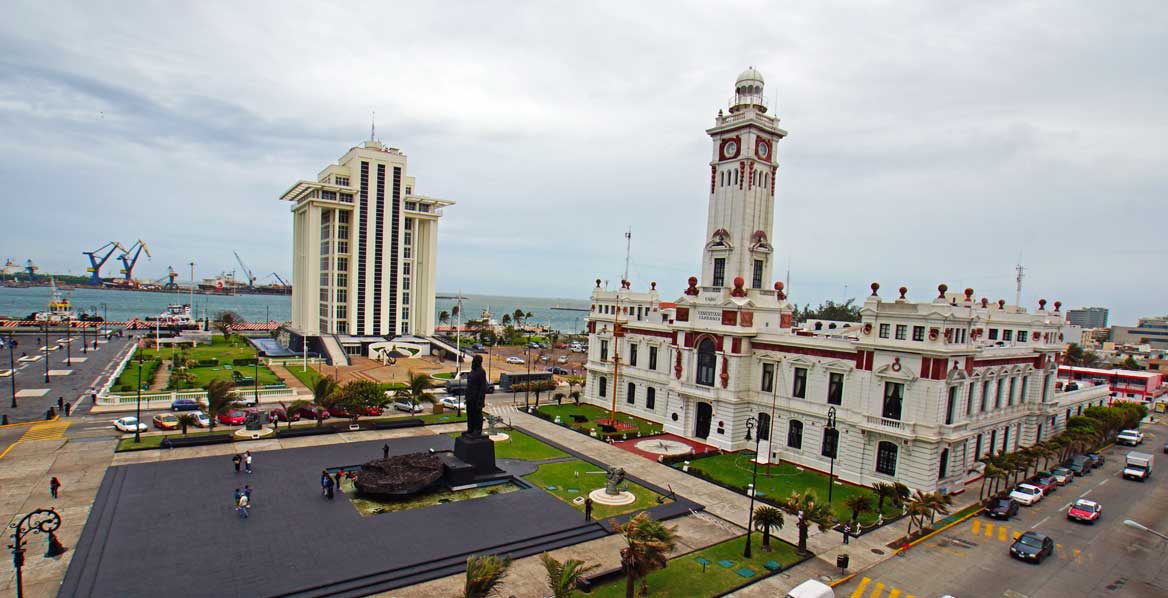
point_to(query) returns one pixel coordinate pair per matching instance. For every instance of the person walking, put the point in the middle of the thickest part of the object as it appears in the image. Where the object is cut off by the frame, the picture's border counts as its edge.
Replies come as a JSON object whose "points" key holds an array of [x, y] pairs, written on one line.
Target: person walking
{"points": [[247, 461], [247, 492], [385, 451], [587, 509], [847, 530], [235, 498], [340, 476], [328, 488], [236, 460], [244, 503], [54, 486], [324, 481]]}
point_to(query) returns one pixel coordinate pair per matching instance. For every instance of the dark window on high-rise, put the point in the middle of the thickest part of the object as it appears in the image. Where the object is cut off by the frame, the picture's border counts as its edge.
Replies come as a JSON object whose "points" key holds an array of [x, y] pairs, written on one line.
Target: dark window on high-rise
{"points": [[799, 385], [706, 362], [835, 388], [951, 406], [886, 458], [378, 246], [795, 434], [603, 350], [893, 400], [756, 280], [602, 387], [719, 271], [362, 238], [394, 225]]}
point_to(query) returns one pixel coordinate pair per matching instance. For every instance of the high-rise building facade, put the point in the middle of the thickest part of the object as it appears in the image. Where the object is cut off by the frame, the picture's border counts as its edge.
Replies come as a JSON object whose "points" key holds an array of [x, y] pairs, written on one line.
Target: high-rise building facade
{"points": [[915, 392], [365, 248], [1088, 317]]}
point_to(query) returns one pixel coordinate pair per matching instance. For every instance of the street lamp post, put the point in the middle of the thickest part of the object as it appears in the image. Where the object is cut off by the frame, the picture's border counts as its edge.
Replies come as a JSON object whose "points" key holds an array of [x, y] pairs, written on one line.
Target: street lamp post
{"points": [[834, 450], [40, 521], [138, 409], [12, 368], [45, 350], [751, 422], [1142, 527], [257, 379], [69, 341]]}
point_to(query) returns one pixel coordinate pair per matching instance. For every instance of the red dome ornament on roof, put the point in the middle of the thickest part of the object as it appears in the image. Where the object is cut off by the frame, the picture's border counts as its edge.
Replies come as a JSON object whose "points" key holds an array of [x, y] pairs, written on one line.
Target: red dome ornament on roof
{"points": [[738, 291], [779, 291], [692, 291]]}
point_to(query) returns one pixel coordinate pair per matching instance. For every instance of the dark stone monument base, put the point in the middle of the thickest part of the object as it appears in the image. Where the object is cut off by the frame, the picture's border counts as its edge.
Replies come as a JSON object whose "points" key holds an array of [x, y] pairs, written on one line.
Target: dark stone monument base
{"points": [[457, 472], [477, 450]]}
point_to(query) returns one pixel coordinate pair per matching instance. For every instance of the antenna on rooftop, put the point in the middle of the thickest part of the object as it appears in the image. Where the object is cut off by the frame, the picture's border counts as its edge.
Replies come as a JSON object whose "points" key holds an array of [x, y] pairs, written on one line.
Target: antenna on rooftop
{"points": [[1018, 292], [373, 127], [628, 248], [789, 277]]}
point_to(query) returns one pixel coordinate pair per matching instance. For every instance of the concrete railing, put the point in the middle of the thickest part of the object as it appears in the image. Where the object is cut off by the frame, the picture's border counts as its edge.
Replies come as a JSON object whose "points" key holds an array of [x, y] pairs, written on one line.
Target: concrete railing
{"points": [[268, 392]]}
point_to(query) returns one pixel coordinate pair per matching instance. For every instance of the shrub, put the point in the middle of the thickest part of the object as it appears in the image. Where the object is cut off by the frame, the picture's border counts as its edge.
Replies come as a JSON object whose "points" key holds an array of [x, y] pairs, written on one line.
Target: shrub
{"points": [[244, 361]]}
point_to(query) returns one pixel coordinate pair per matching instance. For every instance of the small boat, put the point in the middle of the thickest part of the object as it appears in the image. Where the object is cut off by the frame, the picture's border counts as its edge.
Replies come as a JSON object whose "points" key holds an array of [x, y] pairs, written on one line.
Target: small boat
{"points": [[176, 316], [60, 311]]}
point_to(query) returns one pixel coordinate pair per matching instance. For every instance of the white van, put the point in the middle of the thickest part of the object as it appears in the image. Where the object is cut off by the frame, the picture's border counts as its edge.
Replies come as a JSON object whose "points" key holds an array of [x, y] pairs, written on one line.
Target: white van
{"points": [[811, 589]]}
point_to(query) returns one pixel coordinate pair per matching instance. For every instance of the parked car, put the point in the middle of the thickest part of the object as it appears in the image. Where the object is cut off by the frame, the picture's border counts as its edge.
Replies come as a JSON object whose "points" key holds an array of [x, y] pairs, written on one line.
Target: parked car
{"points": [[477, 347], [406, 406], [558, 370], [233, 417], [1084, 510], [312, 412], [1062, 475], [1002, 508], [562, 359], [1097, 460], [1032, 547], [1045, 481], [360, 411], [279, 414], [1026, 494], [1080, 465], [452, 403], [186, 405], [533, 345], [515, 360], [1130, 437], [576, 348], [165, 421], [201, 419], [129, 424]]}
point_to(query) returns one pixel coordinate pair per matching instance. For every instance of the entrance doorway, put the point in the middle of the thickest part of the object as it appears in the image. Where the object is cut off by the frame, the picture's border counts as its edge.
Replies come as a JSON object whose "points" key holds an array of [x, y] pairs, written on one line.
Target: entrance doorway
{"points": [[705, 414]]}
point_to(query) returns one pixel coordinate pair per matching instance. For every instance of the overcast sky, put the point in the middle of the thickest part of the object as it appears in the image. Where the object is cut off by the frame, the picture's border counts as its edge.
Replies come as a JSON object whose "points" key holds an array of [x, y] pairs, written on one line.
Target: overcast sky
{"points": [[929, 142]]}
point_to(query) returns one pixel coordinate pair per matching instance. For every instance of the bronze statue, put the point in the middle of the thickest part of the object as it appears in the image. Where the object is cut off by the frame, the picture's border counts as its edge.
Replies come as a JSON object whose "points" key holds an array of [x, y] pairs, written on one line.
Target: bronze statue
{"points": [[476, 396], [615, 476]]}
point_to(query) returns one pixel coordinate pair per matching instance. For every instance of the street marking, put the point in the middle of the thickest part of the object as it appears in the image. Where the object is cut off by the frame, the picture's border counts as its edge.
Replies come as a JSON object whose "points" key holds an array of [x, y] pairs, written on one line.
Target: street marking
{"points": [[989, 530], [1002, 533], [877, 591], [60, 372], [1078, 556], [1064, 507], [32, 392], [1062, 554], [1084, 494], [976, 527], [1101, 483], [859, 591], [51, 431], [894, 593], [1044, 519]]}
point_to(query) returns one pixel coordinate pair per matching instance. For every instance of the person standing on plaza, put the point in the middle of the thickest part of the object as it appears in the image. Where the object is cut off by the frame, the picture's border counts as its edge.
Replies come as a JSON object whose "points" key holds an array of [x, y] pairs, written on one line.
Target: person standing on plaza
{"points": [[328, 487], [587, 509], [340, 476], [235, 498], [247, 461], [236, 460], [385, 451], [247, 492], [244, 503], [54, 486], [324, 482]]}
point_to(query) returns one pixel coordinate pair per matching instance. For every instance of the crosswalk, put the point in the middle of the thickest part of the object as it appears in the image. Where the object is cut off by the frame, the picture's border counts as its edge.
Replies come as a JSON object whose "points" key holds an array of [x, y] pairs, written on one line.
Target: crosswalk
{"points": [[47, 431], [1005, 534], [869, 588]]}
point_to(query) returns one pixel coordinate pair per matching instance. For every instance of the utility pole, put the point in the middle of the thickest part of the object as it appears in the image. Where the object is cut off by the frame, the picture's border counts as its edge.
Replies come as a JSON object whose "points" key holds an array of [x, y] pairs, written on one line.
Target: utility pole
{"points": [[1018, 292]]}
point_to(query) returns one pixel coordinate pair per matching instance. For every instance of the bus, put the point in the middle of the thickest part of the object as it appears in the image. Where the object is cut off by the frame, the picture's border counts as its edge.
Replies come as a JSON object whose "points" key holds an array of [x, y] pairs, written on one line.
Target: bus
{"points": [[507, 379]]}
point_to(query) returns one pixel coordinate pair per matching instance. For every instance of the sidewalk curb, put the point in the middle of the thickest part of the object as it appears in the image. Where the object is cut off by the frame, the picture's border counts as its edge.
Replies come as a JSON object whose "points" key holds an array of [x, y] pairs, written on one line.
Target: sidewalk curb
{"points": [[905, 548], [32, 423]]}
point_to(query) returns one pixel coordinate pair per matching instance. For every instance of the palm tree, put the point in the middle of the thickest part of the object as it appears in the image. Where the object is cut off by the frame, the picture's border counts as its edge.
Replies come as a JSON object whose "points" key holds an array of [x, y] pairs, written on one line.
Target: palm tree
{"points": [[455, 310], [858, 503], [517, 316], [443, 317], [647, 543], [293, 407], [991, 472], [484, 573], [186, 419], [526, 317], [885, 490], [324, 394], [506, 319], [917, 511], [575, 396], [767, 518], [415, 391], [809, 511], [564, 577], [939, 503], [219, 399]]}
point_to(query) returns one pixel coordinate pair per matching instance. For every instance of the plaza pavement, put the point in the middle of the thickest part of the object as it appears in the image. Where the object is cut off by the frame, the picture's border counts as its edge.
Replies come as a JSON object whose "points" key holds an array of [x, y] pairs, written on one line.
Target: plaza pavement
{"points": [[81, 465]]}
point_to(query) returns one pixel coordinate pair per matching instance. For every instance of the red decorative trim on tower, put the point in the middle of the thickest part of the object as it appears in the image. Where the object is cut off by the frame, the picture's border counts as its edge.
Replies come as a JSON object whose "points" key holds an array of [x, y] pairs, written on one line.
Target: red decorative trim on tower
{"points": [[803, 350], [758, 140], [737, 139], [785, 321], [746, 320], [677, 364], [725, 376], [736, 345], [750, 176], [644, 332], [773, 169], [713, 176], [741, 174]]}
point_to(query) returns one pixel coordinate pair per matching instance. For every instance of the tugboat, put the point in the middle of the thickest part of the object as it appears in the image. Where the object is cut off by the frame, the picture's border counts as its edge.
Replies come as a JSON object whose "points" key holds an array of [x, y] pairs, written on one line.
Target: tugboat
{"points": [[177, 317], [60, 311]]}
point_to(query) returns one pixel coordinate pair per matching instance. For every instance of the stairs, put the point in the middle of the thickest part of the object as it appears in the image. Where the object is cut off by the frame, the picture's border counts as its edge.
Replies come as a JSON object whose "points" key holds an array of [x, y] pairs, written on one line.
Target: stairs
{"points": [[451, 565], [332, 347]]}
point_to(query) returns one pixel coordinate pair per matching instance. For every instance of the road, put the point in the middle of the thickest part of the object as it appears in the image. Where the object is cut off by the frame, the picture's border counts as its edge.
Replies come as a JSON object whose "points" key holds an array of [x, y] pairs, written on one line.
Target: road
{"points": [[1104, 559]]}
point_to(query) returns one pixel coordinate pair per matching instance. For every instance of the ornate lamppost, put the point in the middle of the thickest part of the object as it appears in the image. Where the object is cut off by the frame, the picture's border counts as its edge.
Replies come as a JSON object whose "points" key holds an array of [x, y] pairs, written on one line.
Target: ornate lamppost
{"points": [[834, 449], [138, 409], [40, 521], [751, 422]]}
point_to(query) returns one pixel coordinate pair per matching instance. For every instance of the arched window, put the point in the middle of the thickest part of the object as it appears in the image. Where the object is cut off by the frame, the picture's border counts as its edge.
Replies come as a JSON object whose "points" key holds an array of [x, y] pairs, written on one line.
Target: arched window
{"points": [[706, 361], [603, 387], [886, 458], [764, 426], [795, 434], [819, 325], [943, 470]]}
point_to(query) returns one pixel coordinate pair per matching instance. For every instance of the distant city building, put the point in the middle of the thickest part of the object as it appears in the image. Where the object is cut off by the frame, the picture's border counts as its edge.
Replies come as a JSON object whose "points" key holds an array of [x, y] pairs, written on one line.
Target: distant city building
{"points": [[1124, 384], [1088, 317], [1152, 331], [920, 389], [365, 251]]}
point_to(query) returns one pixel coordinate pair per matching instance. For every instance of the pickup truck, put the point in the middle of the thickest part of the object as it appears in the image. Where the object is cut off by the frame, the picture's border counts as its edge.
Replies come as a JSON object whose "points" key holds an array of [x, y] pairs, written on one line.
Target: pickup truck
{"points": [[1130, 437], [1138, 466]]}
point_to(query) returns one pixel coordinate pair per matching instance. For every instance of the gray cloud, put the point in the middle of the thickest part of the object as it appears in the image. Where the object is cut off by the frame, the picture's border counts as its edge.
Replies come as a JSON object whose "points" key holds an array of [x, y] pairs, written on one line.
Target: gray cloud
{"points": [[930, 142]]}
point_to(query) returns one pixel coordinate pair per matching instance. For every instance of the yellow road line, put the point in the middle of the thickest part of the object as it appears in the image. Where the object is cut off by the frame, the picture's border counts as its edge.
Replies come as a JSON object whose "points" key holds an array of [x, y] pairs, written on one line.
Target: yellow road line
{"points": [[1078, 556], [1001, 533], [894, 593], [859, 591], [877, 591], [51, 431], [1062, 554], [975, 527], [989, 530]]}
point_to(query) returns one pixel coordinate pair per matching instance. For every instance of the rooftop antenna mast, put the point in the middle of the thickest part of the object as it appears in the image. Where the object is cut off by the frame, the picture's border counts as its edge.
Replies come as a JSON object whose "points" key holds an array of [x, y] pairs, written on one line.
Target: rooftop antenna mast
{"points": [[628, 248], [1018, 291], [373, 127]]}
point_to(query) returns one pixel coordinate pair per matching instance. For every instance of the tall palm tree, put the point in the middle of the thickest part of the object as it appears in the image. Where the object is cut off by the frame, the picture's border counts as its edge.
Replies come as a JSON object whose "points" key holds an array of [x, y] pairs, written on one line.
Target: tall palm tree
{"points": [[767, 518], [885, 490], [185, 420], [564, 577], [220, 399], [647, 544], [443, 317], [506, 319], [991, 472], [517, 316], [415, 390], [858, 503], [325, 392], [575, 396], [917, 511], [809, 511], [454, 311], [484, 573]]}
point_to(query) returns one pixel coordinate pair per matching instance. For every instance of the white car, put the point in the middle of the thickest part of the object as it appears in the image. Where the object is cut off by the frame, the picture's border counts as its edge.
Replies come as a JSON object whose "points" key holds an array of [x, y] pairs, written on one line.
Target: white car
{"points": [[407, 406], [1026, 494], [515, 360], [201, 419], [1130, 437], [452, 403], [129, 424], [562, 360]]}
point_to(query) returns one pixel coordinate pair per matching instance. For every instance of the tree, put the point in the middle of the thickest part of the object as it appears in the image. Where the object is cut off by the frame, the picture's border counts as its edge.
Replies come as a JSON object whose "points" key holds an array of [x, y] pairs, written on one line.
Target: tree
{"points": [[1130, 364], [220, 399], [934, 502], [506, 320], [809, 511], [575, 396], [858, 503], [359, 397], [224, 320], [293, 407], [885, 490], [517, 317], [916, 512], [829, 310], [185, 420], [455, 310], [526, 317], [647, 544], [324, 395], [415, 390], [443, 317], [484, 573], [767, 518], [564, 577]]}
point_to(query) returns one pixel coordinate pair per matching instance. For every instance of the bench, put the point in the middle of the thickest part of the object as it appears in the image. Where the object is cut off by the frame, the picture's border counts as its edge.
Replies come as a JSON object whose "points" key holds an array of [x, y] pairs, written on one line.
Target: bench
{"points": [[394, 424], [181, 441], [306, 431]]}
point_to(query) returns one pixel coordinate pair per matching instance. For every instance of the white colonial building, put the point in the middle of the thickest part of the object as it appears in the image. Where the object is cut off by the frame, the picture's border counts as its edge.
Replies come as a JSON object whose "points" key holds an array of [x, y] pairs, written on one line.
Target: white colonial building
{"points": [[919, 389], [365, 249]]}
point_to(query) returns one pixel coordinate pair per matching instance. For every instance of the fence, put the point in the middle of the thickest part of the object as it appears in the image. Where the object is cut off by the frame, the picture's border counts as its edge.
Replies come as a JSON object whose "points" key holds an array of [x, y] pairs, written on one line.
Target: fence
{"points": [[169, 396]]}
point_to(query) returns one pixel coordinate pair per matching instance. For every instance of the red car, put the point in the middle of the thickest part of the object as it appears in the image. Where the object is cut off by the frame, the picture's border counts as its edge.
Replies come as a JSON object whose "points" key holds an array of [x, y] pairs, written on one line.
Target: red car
{"points": [[231, 418], [311, 412], [278, 414], [1045, 481], [1084, 510], [361, 411]]}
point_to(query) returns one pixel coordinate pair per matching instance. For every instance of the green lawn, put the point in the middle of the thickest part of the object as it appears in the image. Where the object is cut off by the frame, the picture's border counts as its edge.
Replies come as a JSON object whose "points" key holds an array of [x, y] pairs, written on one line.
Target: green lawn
{"points": [[446, 417], [777, 482], [685, 578], [307, 376], [155, 440], [221, 349], [523, 447], [593, 413], [444, 375], [563, 477], [128, 380]]}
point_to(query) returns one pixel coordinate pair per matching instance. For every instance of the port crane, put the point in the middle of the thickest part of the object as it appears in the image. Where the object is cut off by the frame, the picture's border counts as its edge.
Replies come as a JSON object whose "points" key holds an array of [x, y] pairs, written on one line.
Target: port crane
{"points": [[281, 280], [170, 276], [246, 271], [96, 262], [128, 262]]}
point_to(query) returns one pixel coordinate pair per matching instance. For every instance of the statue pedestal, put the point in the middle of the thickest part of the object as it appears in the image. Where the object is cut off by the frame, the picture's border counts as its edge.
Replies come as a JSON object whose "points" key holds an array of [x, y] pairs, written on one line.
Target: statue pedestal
{"points": [[600, 496], [478, 451]]}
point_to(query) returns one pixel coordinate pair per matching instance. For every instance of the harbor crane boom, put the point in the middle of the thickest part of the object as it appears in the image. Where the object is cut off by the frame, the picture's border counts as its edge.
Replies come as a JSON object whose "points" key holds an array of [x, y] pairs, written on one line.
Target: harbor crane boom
{"points": [[96, 262], [281, 280], [128, 262], [246, 271]]}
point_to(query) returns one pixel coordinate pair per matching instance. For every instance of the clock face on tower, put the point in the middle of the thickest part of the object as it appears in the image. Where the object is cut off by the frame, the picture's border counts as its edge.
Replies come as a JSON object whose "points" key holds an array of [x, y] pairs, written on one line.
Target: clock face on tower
{"points": [[764, 150], [730, 149]]}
